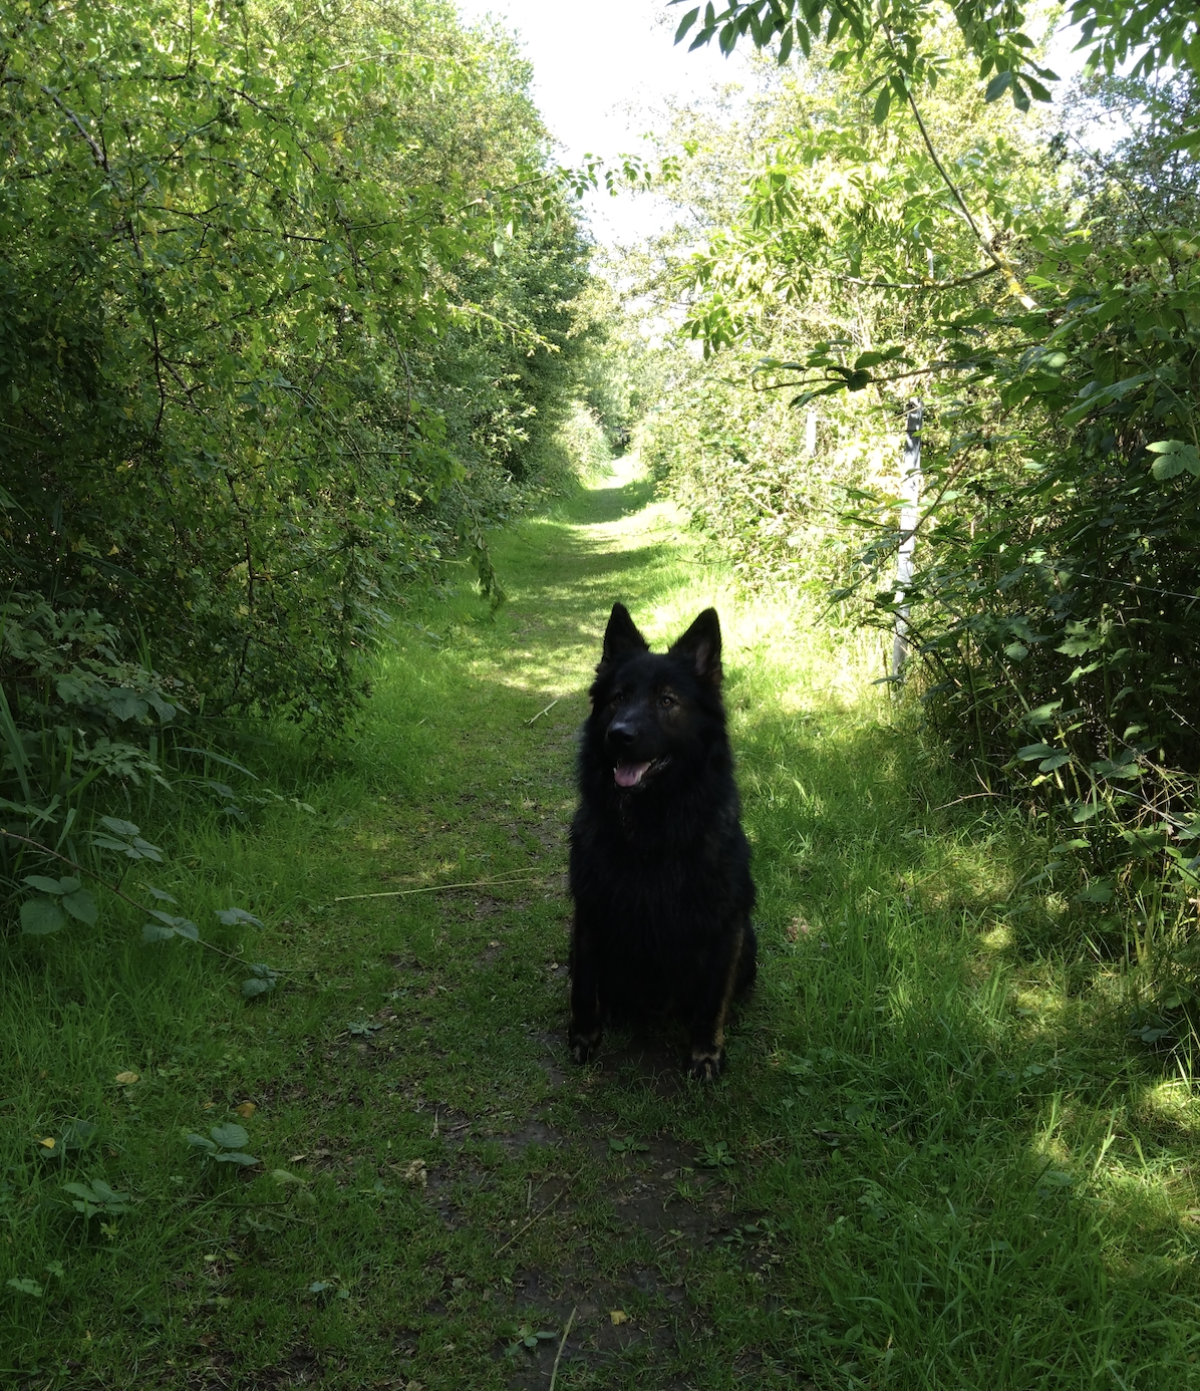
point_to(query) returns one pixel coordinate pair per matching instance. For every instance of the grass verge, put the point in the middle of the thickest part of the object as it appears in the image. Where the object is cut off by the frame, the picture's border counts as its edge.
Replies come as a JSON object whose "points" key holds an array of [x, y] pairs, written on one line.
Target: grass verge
{"points": [[937, 1160]]}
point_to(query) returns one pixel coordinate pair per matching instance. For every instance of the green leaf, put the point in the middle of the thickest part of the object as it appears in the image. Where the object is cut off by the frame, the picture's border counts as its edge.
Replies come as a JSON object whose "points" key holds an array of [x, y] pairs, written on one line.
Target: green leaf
{"points": [[201, 1142], [44, 884], [255, 986], [998, 86], [119, 828], [230, 1135], [78, 1134], [1056, 760], [232, 916], [686, 23], [1044, 713], [236, 1157], [1175, 457], [152, 932], [41, 916], [81, 905], [23, 1285], [1098, 891], [883, 104]]}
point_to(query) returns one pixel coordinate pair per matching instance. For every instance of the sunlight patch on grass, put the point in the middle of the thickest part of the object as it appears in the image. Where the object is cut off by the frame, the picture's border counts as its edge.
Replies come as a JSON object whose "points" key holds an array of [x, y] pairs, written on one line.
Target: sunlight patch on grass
{"points": [[1174, 1102], [998, 938]]}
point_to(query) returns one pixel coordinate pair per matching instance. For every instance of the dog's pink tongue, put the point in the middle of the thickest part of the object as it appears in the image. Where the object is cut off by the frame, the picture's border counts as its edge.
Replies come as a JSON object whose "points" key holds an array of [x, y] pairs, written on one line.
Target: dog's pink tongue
{"points": [[629, 774]]}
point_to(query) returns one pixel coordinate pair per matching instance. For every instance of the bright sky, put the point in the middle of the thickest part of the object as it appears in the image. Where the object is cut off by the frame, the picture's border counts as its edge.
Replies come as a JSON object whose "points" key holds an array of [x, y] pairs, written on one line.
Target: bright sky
{"points": [[599, 71], [591, 65]]}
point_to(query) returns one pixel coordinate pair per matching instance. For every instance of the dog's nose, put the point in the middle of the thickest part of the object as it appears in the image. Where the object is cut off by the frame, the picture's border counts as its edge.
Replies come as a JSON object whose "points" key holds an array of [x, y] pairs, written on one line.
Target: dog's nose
{"points": [[621, 734]]}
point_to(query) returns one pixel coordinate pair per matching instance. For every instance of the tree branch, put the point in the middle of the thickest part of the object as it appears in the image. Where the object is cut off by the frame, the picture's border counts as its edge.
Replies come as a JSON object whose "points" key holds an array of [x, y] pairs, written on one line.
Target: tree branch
{"points": [[929, 285], [97, 153], [999, 260]]}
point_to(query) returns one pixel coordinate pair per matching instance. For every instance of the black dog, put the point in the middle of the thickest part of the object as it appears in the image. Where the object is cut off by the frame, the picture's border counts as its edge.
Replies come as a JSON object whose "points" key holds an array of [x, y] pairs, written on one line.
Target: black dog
{"points": [[660, 866]]}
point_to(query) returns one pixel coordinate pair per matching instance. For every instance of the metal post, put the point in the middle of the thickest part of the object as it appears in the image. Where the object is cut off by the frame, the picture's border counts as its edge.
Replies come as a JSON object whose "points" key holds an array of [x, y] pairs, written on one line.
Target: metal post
{"points": [[910, 495]]}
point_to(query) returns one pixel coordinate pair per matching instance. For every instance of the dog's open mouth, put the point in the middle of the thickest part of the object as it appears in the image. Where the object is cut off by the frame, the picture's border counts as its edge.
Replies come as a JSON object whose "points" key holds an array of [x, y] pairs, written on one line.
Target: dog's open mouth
{"points": [[633, 774]]}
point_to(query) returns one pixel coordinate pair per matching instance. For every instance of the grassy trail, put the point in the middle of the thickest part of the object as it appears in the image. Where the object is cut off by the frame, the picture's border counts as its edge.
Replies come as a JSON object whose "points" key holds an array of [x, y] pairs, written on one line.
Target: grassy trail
{"points": [[936, 1161]]}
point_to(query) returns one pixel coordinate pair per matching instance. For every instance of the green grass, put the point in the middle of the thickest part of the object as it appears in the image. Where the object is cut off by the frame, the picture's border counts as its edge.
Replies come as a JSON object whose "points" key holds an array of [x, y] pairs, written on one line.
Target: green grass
{"points": [[937, 1160]]}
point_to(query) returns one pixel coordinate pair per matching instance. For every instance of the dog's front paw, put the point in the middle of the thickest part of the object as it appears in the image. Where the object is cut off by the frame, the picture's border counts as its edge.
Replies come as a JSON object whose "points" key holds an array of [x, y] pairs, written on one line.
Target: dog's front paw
{"points": [[705, 1065], [584, 1045]]}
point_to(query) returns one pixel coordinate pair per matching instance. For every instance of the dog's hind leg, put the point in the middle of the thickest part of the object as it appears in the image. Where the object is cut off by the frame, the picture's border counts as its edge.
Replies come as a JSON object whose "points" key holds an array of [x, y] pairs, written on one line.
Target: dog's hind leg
{"points": [[711, 1009], [585, 1030]]}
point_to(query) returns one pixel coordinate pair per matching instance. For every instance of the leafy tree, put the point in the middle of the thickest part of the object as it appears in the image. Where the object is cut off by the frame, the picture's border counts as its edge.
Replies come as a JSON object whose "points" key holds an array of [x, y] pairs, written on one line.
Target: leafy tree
{"points": [[285, 301], [1052, 332]]}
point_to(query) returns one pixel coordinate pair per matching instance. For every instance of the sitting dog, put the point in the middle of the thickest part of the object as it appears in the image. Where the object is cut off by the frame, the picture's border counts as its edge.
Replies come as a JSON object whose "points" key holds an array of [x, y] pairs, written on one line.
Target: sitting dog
{"points": [[660, 866]]}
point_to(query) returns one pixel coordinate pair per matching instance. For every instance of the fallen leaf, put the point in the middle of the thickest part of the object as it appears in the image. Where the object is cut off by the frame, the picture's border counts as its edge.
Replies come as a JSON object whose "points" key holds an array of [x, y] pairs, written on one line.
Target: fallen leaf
{"points": [[297, 1158], [127, 1079], [619, 1316], [49, 1142], [207, 1105], [416, 1173], [246, 1109], [206, 1340]]}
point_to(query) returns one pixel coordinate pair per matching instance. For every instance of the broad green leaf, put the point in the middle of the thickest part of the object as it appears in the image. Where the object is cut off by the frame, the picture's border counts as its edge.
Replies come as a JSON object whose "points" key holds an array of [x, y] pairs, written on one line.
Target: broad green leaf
{"points": [[232, 916], [44, 884], [40, 916], [998, 86], [1174, 457], [77, 1134], [1098, 891], [119, 828], [81, 905], [686, 23], [883, 104], [1056, 760], [230, 1135]]}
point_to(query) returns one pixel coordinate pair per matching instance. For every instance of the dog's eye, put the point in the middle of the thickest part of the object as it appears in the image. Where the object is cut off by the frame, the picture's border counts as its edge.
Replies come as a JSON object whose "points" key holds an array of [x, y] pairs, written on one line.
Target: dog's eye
{"points": [[666, 700]]}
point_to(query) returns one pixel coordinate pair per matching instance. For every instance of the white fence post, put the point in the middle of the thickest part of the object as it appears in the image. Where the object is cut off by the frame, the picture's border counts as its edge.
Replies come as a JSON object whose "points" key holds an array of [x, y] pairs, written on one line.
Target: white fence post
{"points": [[910, 497]]}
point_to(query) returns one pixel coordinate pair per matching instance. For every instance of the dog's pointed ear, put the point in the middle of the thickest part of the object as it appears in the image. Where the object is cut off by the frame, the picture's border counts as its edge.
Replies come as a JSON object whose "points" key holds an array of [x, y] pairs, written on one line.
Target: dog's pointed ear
{"points": [[621, 638], [701, 645]]}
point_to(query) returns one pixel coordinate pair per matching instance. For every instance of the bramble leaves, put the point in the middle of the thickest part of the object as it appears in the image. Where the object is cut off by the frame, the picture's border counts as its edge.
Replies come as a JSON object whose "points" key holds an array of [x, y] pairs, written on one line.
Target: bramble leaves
{"points": [[1174, 457], [225, 1144], [97, 1198]]}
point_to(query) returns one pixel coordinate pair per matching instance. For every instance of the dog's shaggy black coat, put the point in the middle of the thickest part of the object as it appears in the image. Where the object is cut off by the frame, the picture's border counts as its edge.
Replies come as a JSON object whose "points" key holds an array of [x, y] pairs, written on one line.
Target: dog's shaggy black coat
{"points": [[660, 866]]}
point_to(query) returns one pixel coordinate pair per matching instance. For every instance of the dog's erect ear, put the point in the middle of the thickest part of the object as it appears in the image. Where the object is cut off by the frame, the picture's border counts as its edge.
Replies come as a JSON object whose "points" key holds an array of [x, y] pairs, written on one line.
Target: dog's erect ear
{"points": [[701, 645], [621, 638]]}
